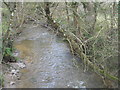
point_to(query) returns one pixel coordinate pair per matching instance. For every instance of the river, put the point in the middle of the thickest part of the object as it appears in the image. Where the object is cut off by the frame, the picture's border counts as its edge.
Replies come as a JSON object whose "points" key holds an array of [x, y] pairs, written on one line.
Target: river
{"points": [[49, 62]]}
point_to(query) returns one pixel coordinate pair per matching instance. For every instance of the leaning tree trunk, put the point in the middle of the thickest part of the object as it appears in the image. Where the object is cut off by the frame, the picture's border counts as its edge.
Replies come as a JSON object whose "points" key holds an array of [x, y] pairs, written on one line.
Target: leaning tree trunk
{"points": [[48, 15]]}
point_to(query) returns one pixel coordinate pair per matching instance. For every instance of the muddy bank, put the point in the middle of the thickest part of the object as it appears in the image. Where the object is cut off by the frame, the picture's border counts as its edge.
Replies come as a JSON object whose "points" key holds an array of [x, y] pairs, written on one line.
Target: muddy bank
{"points": [[49, 62]]}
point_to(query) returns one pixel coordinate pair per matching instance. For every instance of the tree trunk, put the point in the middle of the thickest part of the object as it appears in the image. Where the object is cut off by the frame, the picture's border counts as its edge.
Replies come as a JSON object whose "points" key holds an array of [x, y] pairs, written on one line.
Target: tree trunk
{"points": [[75, 21], [66, 4], [47, 11]]}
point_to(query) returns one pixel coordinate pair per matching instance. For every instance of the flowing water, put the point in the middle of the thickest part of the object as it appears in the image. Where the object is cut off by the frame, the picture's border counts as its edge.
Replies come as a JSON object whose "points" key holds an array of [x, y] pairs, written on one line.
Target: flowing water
{"points": [[49, 62]]}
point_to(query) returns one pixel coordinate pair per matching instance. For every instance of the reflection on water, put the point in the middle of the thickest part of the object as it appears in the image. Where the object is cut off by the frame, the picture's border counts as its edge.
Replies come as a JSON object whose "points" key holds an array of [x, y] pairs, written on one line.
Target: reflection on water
{"points": [[50, 63]]}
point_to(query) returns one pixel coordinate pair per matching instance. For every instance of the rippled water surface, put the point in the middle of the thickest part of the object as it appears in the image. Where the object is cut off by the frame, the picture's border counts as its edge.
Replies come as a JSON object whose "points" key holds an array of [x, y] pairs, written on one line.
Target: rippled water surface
{"points": [[49, 62]]}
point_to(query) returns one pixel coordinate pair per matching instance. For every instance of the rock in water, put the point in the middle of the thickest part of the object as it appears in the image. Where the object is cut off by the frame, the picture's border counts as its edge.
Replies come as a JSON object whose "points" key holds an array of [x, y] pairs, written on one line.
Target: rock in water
{"points": [[21, 65], [12, 83], [14, 71]]}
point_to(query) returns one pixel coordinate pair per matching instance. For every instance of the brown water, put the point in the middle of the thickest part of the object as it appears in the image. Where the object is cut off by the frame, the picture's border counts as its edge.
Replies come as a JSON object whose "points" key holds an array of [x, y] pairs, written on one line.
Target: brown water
{"points": [[49, 62]]}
